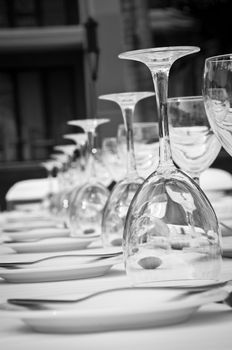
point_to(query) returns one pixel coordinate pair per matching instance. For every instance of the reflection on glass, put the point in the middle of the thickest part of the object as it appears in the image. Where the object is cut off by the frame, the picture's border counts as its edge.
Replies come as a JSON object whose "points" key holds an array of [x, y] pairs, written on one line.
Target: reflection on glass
{"points": [[194, 145], [217, 93]]}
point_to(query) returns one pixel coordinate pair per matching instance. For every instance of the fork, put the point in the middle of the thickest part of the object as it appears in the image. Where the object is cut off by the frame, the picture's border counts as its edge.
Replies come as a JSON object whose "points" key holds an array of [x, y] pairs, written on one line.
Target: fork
{"points": [[40, 304], [18, 264]]}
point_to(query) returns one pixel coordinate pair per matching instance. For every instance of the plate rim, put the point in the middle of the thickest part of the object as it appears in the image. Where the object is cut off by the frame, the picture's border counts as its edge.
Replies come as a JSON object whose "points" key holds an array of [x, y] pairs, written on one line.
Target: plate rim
{"points": [[101, 263], [60, 314]]}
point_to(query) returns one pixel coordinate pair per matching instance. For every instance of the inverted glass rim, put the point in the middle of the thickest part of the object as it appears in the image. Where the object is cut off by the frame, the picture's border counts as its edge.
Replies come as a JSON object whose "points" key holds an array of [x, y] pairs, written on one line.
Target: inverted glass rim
{"points": [[126, 94], [224, 57], [92, 121], [193, 49], [185, 98]]}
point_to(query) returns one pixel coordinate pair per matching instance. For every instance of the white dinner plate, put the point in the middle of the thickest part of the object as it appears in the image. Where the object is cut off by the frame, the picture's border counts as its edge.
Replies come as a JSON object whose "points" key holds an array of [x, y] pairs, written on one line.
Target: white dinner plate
{"points": [[51, 244], [89, 252], [38, 234], [19, 216], [118, 310], [67, 269], [188, 285], [30, 225]]}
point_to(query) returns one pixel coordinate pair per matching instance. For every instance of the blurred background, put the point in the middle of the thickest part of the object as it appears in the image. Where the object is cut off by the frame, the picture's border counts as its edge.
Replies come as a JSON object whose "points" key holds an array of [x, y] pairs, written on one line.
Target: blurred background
{"points": [[58, 56]]}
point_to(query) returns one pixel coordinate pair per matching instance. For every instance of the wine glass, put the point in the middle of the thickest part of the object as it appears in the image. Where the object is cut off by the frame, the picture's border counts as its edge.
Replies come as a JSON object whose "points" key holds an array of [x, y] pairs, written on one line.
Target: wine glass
{"points": [[194, 144], [171, 232], [58, 205], [69, 180], [114, 214], [87, 201], [217, 92]]}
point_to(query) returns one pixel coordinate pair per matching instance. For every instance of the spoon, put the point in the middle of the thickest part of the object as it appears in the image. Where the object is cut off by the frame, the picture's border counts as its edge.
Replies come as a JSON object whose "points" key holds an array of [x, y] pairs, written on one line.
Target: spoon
{"points": [[19, 264], [39, 303]]}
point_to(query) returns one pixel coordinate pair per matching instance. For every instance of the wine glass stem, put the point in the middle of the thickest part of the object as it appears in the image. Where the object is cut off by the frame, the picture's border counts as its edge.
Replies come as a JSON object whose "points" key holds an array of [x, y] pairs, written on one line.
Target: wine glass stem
{"points": [[128, 120], [160, 79], [91, 170]]}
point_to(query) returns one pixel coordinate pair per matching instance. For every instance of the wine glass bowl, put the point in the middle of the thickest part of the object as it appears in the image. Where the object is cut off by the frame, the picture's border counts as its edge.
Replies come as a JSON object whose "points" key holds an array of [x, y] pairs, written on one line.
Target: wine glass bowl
{"points": [[217, 92], [171, 233], [194, 144]]}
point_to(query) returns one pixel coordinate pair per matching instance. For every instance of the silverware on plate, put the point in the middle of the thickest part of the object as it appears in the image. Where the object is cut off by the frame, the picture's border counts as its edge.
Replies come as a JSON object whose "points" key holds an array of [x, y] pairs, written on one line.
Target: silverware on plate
{"points": [[43, 304], [19, 264]]}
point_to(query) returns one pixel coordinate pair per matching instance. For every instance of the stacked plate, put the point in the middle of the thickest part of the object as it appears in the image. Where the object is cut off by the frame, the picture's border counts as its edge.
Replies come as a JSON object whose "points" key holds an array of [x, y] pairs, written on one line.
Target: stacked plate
{"points": [[38, 248], [115, 309]]}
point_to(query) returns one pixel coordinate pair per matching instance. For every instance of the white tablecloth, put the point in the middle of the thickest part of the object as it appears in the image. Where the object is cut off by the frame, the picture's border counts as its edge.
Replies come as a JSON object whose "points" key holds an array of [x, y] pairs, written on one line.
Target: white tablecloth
{"points": [[210, 328]]}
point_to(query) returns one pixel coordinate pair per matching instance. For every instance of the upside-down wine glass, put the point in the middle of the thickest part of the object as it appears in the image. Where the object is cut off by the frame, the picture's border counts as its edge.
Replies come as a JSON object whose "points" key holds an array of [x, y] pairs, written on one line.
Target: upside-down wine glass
{"points": [[217, 92], [101, 168], [115, 211], [62, 159], [79, 166], [194, 144], [69, 180], [88, 201], [171, 233]]}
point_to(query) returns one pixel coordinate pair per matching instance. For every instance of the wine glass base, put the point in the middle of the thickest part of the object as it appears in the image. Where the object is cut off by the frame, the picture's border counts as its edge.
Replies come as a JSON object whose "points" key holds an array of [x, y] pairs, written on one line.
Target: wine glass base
{"points": [[176, 269]]}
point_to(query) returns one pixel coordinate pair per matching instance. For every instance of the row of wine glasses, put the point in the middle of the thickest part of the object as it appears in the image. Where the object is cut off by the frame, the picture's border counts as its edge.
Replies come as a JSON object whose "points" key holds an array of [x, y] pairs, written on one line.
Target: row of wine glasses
{"points": [[169, 228], [83, 215]]}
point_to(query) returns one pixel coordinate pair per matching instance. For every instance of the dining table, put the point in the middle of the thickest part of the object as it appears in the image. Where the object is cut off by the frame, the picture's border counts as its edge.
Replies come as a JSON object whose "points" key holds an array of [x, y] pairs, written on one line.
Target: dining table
{"points": [[208, 328]]}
